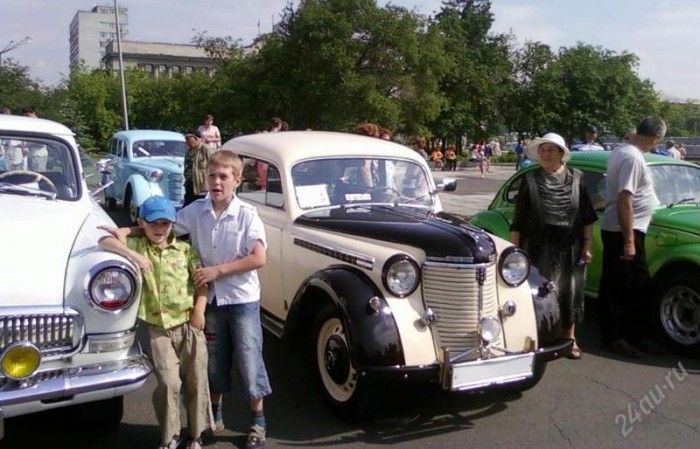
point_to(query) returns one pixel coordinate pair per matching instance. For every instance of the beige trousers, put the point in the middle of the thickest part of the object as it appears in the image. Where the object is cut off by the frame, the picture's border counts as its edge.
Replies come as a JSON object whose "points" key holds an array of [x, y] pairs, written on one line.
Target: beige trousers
{"points": [[180, 360]]}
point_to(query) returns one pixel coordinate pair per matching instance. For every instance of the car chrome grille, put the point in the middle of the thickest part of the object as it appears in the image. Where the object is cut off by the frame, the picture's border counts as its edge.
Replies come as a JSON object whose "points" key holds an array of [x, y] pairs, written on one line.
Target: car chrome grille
{"points": [[452, 292], [176, 188], [52, 334]]}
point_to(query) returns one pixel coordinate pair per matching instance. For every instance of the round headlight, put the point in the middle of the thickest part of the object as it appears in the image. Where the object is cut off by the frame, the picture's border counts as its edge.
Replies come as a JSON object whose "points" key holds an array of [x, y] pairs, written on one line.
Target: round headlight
{"points": [[514, 266], [401, 275], [112, 288], [490, 328], [156, 176], [20, 360]]}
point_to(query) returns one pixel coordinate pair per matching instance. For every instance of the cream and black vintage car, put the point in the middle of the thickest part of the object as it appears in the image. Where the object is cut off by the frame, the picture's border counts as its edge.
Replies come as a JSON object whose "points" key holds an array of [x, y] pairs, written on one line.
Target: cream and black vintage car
{"points": [[369, 276], [67, 309]]}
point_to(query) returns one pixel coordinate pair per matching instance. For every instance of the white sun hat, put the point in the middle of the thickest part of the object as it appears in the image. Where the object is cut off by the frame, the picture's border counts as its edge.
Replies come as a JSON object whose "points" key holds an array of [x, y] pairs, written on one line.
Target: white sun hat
{"points": [[556, 139]]}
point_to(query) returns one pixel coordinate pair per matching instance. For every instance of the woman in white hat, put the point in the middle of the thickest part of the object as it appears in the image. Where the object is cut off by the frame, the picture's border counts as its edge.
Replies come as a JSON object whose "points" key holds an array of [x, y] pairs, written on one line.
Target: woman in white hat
{"points": [[553, 223]]}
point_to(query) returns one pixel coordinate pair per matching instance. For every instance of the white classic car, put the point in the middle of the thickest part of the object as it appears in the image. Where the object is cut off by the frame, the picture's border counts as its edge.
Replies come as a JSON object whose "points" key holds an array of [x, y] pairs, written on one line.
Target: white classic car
{"points": [[67, 309], [367, 275]]}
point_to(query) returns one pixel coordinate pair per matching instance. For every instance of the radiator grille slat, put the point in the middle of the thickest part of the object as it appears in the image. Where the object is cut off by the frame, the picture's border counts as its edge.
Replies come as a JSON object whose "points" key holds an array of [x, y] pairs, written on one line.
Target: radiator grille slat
{"points": [[53, 334], [452, 292]]}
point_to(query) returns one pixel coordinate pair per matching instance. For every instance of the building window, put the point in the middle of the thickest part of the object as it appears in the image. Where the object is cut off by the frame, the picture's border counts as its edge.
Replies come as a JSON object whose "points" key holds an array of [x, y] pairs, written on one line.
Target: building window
{"points": [[148, 68], [175, 69], [189, 69], [162, 69]]}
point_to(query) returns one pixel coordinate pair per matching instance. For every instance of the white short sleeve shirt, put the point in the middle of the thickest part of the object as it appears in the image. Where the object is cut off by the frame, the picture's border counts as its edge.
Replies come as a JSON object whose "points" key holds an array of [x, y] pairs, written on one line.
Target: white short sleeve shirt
{"points": [[628, 171], [229, 237]]}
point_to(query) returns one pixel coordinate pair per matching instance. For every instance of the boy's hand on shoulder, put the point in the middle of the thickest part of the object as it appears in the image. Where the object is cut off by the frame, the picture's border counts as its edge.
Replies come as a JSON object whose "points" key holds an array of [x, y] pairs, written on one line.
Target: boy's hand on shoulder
{"points": [[197, 319], [119, 233], [205, 275]]}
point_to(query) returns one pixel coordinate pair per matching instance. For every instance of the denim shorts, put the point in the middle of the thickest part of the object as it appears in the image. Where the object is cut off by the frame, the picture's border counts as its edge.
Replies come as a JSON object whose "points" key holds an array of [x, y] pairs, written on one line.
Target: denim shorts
{"points": [[234, 331]]}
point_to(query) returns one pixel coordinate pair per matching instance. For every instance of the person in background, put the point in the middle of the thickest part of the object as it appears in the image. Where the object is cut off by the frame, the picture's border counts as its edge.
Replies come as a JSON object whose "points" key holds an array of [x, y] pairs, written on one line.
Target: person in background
{"points": [[195, 170], [173, 310], [589, 142], [672, 150], [451, 158], [553, 222], [210, 133], [625, 283], [385, 133], [36, 156], [277, 125], [419, 143], [681, 150], [436, 158], [488, 156], [519, 154]]}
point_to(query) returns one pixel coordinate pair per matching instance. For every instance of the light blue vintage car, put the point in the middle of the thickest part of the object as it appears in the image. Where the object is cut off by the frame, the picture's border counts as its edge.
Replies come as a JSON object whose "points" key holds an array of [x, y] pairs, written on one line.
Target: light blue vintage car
{"points": [[144, 163]]}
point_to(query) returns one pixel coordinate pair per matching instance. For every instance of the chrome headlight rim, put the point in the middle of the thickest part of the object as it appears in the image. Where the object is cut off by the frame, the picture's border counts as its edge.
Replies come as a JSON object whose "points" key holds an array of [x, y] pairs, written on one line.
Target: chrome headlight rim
{"points": [[155, 176], [513, 251], [8, 351], [100, 268], [390, 264]]}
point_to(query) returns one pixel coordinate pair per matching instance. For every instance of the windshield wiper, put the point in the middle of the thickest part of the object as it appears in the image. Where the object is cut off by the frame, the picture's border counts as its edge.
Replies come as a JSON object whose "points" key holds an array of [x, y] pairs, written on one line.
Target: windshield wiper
{"points": [[413, 200], [684, 200], [24, 190]]}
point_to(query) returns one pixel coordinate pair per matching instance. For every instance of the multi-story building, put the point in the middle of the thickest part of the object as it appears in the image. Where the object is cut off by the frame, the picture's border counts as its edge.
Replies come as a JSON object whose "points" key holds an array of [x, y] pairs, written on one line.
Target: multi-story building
{"points": [[91, 31], [159, 59]]}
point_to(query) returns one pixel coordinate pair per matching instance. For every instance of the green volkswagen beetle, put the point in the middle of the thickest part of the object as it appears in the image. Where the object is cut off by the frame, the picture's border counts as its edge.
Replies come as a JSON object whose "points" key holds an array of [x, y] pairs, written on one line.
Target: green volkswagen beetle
{"points": [[672, 243]]}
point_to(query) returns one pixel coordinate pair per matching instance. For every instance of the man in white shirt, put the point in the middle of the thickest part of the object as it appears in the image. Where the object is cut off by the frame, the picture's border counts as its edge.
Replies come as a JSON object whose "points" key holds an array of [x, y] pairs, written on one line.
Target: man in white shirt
{"points": [[625, 281], [588, 143], [672, 150]]}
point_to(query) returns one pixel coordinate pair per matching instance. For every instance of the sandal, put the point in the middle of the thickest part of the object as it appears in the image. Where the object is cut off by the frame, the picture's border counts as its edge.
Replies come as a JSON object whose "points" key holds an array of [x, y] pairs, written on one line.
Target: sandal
{"points": [[256, 437], [575, 353]]}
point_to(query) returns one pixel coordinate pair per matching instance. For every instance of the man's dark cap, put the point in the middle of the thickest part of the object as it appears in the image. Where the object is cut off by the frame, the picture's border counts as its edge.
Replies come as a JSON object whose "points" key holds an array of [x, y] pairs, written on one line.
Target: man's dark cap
{"points": [[591, 129]]}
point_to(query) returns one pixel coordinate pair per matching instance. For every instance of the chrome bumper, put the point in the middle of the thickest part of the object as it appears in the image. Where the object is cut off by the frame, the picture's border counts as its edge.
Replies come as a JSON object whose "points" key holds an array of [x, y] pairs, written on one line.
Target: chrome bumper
{"points": [[83, 379]]}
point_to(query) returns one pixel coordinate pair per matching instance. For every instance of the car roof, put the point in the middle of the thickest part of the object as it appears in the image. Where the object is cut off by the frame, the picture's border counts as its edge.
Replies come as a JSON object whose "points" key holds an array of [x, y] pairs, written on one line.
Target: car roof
{"points": [[32, 125], [601, 158], [287, 147], [149, 134]]}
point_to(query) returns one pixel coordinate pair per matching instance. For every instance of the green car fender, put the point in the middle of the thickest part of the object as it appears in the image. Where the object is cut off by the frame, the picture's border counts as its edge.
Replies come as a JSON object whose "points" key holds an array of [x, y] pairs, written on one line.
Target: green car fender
{"points": [[493, 222]]}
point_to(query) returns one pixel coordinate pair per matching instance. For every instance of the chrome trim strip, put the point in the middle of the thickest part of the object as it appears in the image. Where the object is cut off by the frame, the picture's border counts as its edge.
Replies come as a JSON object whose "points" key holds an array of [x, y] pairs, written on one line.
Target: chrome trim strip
{"points": [[272, 324], [432, 263], [359, 260]]}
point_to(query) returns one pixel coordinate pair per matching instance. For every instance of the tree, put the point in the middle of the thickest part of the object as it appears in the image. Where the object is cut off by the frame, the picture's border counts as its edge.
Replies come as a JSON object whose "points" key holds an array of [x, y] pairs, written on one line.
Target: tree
{"points": [[18, 89], [479, 70]]}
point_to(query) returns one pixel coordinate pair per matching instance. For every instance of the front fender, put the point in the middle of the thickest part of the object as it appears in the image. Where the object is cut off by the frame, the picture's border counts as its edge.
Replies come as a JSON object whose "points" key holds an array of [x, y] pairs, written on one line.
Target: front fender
{"points": [[492, 222], [141, 189], [688, 254], [544, 298], [373, 336]]}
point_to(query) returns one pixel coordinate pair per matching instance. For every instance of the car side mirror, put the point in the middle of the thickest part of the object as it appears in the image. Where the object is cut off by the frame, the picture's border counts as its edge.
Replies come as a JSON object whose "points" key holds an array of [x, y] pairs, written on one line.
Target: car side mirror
{"points": [[447, 185]]}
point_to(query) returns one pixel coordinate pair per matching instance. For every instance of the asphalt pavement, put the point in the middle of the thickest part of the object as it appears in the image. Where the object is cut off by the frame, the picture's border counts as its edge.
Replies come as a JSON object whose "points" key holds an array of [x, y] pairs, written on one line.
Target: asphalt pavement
{"points": [[473, 193]]}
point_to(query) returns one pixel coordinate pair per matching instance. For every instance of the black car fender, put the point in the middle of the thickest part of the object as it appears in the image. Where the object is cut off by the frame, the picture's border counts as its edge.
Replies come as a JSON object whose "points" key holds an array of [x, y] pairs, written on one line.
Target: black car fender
{"points": [[372, 332], [546, 303]]}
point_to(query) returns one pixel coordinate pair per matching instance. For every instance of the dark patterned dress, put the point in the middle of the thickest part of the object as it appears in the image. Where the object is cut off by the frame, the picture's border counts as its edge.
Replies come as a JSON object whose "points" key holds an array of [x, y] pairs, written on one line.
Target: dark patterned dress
{"points": [[550, 214]]}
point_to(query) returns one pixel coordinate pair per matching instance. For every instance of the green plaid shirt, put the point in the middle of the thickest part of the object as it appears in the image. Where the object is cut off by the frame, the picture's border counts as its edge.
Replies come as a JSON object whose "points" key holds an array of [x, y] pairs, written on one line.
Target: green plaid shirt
{"points": [[167, 295]]}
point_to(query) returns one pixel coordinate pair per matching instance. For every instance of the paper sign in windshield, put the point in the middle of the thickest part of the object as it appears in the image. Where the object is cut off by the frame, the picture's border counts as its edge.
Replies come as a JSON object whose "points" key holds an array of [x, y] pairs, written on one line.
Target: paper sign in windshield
{"points": [[358, 197], [312, 196]]}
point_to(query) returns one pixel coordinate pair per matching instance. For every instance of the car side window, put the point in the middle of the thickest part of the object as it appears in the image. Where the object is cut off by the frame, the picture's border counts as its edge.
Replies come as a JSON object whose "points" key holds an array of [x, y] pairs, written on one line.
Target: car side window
{"points": [[595, 186], [513, 189], [261, 183]]}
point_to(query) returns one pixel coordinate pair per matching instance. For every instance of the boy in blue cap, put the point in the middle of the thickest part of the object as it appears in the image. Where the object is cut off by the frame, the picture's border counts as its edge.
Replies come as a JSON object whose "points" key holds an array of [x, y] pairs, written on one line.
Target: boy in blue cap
{"points": [[173, 308]]}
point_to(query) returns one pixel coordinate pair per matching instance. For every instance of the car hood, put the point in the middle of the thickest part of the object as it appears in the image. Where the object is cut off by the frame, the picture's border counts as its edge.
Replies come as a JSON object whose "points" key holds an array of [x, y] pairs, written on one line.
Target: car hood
{"points": [[36, 237], [683, 217], [166, 164], [441, 236]]}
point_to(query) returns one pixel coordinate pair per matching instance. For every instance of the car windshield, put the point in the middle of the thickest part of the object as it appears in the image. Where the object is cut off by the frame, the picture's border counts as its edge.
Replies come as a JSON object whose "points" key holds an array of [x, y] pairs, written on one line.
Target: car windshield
{"points": [[39, 167], [352, 181], [152, 148], [676, 183]]}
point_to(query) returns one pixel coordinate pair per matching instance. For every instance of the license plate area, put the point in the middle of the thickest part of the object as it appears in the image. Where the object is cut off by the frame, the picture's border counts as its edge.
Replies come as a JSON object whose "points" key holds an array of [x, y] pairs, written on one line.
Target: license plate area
{"points": [[482, 373]]}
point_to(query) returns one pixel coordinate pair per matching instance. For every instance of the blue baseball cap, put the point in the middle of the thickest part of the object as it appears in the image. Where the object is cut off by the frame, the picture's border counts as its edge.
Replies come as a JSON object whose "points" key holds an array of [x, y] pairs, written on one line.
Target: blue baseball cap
{"points": [[156, 208]]}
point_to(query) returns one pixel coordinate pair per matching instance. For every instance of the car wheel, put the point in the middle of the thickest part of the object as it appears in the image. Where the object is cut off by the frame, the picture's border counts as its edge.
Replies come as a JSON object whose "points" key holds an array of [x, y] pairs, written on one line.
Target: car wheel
{"points": [[130, 207], [342, 385], [679, 309]]}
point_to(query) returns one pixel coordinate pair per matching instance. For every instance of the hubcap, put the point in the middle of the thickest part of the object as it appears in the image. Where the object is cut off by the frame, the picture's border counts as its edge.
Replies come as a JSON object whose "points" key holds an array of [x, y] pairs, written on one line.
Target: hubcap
{"points": [[338, 376], [680, 315], [337, 359]]}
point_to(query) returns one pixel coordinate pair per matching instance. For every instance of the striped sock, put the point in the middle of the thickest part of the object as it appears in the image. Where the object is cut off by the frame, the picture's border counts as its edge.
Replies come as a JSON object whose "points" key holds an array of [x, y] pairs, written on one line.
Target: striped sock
{"points": [[259, 418]]}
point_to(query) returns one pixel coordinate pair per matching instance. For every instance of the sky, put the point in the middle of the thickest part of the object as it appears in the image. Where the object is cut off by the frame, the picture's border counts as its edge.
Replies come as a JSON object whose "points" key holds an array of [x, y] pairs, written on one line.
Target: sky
{"points": [[662, 33]]}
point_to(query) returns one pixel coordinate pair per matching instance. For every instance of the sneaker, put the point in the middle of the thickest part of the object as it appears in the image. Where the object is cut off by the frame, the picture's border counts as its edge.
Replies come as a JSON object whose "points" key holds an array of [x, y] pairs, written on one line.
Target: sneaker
{"points": [[256, 437], [195, 444], [172, 444]]}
